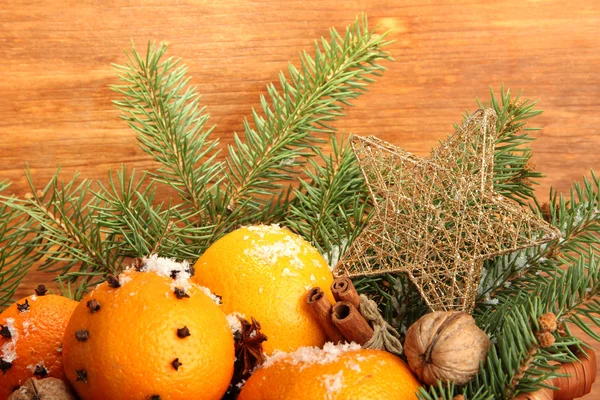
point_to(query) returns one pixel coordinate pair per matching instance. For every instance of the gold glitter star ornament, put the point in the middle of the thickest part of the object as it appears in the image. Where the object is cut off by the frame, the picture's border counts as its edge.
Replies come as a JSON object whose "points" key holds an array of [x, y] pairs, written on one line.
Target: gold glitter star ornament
{"points": [[438, 218]]}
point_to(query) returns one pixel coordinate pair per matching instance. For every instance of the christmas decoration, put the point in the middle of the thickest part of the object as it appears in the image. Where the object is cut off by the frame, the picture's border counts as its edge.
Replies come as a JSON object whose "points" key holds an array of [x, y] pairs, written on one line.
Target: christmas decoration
{"points": [[573, 380], [351, 323], [277, 172], [43, 389], [252, 266], [249, 353], [446, 347], [438, 219], [334, 372], [153, 334], [31, 334], [354, 318], [385, 337], [321, 309]]}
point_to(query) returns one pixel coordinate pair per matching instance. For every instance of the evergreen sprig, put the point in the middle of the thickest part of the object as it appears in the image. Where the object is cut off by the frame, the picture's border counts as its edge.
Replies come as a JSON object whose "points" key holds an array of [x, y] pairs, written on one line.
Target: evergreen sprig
{"points": [[16, 247], [67, 238], [561, 277], [85, 234], [514, 175], [139, 226], [283, 138], [331, 205], [164, 110], [252, 184]]}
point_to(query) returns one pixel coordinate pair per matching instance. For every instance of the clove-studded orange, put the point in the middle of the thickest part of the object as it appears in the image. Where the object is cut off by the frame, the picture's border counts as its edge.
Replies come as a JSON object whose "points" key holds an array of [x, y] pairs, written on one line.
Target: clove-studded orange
{"points": [[264, 272], [149, 334], [342, 372], [31, 335]]}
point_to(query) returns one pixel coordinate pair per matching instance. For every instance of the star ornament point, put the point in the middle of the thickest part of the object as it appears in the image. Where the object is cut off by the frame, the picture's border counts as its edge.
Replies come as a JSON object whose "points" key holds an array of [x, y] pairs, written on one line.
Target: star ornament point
{"points": [[438, 218]]}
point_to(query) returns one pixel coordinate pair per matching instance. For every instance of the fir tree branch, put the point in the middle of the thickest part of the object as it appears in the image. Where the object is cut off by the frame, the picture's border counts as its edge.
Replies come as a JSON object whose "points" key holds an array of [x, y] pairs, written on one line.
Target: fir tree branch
{"points": [[70, 242], [16, 246], [330, 208], [127, 212], [579, 222], [518, 287], [164, 111], [313, 96], [514, 176]]}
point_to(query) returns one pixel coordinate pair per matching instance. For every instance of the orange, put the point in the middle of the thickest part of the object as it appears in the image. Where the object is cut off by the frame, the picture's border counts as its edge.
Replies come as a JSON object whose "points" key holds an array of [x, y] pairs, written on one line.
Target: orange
{"points": [[343, 372], [153, 337], [31, 339], [264, 272]]}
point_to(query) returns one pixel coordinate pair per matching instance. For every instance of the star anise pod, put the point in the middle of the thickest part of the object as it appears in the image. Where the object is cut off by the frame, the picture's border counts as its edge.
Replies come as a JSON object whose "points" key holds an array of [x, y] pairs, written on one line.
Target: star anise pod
{"points": [[248, 352], [248, 347]]}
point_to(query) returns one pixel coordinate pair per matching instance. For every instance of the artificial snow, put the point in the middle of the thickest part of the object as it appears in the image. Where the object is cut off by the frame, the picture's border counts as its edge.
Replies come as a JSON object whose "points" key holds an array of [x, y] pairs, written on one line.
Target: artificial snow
{"points": [[287, 272], [234, 323], [334, 254], [262, 229], [333, 383], [168, 267], [240, 384], [9, 349], [312, 355], [288, 247], [351, 364], [26, 326], [32, 367], [123, 279], [487, 299], [210, 294]]}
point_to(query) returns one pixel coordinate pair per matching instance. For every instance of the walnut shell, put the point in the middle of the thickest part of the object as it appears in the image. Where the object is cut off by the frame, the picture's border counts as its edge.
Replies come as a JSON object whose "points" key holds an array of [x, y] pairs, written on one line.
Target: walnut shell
{"points": [[446, 346], [45, 389]]}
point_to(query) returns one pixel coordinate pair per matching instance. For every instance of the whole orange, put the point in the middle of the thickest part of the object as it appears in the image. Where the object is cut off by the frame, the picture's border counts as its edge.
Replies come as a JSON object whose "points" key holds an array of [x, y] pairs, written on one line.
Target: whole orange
{"points": [[31, 335], [264, 272], [343, 372], [149, 335]]}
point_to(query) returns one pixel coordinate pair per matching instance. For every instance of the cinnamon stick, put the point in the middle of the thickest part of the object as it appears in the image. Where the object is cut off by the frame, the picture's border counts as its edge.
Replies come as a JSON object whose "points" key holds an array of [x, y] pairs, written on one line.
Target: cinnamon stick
{"points": [[353, 326], [582, 375], [343, 290], [321, 307], [542, 394]]}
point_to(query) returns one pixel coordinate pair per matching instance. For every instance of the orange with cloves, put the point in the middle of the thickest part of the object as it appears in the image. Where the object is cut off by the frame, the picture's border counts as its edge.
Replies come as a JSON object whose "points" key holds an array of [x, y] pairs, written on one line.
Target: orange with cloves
{"points": [[149, 334], [31, 334]]}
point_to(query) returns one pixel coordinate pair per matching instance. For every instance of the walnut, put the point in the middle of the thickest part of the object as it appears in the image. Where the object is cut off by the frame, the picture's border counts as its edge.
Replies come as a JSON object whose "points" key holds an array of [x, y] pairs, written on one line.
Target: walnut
{"points": [[446, 346], [44, 389]]}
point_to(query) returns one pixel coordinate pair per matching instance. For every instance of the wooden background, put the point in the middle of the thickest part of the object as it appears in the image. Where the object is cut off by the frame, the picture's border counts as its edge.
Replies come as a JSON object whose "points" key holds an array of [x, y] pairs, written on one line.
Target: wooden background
{"points": [[55, 70]]}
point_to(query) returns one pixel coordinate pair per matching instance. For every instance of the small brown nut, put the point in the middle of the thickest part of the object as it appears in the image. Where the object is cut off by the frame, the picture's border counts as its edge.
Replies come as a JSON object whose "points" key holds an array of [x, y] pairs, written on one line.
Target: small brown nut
{"points": [[547, 322], [445, 346], [46, 389], [545, 339]]}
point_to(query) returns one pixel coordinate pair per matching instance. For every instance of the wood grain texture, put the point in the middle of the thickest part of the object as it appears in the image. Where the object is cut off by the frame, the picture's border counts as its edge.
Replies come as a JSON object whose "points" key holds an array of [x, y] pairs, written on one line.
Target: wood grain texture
{"points": [[55, 103]]}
